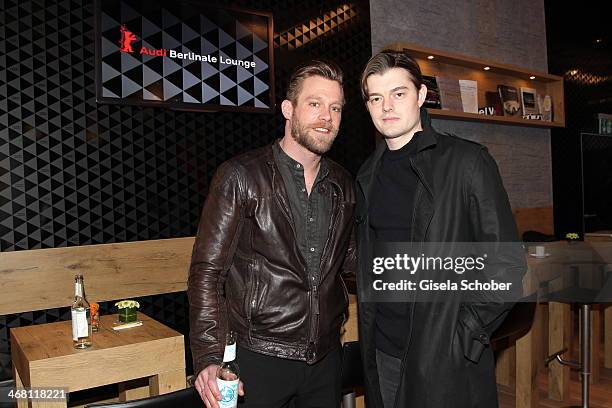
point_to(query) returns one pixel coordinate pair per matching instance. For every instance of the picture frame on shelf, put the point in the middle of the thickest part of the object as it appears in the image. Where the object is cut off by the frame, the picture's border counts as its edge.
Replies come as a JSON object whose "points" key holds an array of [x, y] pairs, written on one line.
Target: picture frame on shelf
{"points": [[529, 101]]}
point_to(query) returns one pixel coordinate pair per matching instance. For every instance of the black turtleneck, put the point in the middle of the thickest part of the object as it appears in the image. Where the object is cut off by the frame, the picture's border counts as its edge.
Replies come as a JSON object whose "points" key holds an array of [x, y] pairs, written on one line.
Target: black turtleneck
{"points": [[390, 216]]}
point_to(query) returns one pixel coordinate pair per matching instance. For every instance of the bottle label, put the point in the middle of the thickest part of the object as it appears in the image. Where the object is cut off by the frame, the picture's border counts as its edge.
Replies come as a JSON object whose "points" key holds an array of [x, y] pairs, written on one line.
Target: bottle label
{"points": [[229, 393], [79, 324], [230, 353], [78, 290]]}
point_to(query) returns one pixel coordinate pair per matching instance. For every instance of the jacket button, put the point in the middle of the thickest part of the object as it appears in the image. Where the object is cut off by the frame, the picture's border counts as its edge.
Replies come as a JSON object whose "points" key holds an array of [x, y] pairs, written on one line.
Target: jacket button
{"points": [[484, 339], [358, 219]]}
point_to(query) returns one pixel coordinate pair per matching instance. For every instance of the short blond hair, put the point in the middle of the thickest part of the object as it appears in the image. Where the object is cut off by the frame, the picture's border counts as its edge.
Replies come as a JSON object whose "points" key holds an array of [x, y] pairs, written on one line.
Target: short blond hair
{"points": [[326, 69]]}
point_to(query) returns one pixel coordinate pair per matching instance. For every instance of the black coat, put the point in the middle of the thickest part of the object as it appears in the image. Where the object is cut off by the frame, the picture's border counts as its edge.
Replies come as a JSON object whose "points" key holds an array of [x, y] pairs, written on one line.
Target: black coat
{"points": [[448, 362]]}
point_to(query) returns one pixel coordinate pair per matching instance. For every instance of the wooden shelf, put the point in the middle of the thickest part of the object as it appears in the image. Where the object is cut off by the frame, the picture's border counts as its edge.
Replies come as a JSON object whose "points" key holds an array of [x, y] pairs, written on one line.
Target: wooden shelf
{"points": [[464, 67], [474, 117]]}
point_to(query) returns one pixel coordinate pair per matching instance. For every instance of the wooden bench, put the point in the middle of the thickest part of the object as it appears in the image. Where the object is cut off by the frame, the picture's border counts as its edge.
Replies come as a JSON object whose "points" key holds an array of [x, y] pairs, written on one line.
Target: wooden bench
{"points": [[44, 279]]}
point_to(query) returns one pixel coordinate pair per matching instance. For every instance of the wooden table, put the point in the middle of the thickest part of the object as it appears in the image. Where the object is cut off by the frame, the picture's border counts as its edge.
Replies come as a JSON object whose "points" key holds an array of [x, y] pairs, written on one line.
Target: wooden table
{"points": [[43, 356]]}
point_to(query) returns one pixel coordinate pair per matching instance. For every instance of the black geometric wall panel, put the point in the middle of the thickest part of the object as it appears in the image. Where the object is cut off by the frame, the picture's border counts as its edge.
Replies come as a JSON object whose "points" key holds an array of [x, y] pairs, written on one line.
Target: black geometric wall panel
{"points": [[74, 172], [331, 21]]}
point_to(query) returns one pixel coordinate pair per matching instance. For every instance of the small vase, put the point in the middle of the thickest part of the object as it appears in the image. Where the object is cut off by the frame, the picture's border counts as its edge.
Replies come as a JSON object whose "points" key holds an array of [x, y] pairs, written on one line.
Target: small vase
{"points": [[128, 314]]}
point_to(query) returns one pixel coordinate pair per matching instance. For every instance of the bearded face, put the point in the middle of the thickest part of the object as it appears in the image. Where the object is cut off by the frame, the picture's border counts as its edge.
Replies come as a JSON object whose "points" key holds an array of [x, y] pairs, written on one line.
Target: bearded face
{"points": [[315, 115], [316, 137]]}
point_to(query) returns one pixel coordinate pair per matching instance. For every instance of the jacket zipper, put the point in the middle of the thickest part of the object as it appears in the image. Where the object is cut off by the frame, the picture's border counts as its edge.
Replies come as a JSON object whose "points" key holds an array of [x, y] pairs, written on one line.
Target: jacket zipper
{"points": [[418, 196], [249, 310]]}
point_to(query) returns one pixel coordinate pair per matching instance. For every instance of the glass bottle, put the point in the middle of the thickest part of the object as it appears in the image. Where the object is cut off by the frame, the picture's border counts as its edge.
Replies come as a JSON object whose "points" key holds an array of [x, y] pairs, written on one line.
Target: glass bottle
{"points": [[228, 374], [81, 316]]}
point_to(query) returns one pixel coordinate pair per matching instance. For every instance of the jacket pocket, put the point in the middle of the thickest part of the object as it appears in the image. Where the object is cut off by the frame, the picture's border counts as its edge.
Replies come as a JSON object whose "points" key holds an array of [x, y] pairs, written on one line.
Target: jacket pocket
{"points": [[254, 299], [251, 299], [346, 301], [251, 295], [472, 337]]}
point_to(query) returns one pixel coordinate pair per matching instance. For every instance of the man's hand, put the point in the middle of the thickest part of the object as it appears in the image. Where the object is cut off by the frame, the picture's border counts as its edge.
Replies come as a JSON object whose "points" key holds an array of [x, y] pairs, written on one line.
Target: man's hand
{"points": [[206, 385]]}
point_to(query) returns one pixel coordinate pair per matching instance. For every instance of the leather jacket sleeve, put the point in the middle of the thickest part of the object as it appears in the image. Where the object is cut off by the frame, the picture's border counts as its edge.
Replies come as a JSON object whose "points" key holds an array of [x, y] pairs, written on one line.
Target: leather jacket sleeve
{"points": [[349, 266], [213, 251], [492, 222]]}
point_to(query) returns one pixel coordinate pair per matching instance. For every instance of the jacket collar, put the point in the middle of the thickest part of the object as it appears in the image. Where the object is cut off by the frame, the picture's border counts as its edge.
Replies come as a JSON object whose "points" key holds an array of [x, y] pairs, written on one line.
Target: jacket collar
{"points": [[427, 138], [331, 173]]}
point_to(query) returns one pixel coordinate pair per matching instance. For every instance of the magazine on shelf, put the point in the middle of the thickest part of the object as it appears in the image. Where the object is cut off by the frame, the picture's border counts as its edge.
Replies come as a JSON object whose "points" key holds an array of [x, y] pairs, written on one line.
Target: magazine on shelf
{"points": [[450, 94], [529, 101], [432, 100], [545, 107], [493, 99], [509, 96], [469, 95]]}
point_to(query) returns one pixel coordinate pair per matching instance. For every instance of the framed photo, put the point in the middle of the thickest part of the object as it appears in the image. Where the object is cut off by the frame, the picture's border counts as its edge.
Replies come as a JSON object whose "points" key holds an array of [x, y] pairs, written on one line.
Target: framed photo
{"points": [[605, 123], [529, 101]]}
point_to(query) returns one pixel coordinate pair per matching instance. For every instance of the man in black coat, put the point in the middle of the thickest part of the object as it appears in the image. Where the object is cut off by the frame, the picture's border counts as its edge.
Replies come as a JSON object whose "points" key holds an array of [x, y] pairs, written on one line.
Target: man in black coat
{"points": [[423, 187]]}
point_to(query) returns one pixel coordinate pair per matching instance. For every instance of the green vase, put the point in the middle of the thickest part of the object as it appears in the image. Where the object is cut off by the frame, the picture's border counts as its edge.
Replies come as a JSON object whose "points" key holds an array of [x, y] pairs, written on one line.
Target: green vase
{"points": [[128, 314]]}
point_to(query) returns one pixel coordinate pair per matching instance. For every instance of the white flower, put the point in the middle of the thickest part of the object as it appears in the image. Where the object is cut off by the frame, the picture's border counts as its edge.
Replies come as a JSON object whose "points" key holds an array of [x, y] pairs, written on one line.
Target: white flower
{"points": [[127, 303]]}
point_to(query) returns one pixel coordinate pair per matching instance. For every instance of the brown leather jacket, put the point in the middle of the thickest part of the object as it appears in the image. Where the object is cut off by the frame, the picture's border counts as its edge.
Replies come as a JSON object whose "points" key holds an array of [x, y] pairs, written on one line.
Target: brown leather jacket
{"points": [[247, 273]]}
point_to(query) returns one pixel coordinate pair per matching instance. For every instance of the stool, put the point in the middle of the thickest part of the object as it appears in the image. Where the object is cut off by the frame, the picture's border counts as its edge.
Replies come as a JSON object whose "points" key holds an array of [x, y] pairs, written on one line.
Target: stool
{"points": [[585, 298]]}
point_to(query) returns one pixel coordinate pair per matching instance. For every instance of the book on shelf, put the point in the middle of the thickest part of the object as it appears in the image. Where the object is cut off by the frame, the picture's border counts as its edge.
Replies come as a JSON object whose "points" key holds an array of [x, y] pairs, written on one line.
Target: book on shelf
{"points": [[510, 100], [529, 101], [509, 96], [493, 99], [432, 100], [545, 107], [469, 95], [450, 94]]}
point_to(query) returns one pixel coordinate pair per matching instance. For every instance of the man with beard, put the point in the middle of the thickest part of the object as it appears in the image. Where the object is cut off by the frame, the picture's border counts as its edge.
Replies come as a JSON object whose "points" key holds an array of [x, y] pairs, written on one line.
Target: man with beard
{"points": [[272, 240]]}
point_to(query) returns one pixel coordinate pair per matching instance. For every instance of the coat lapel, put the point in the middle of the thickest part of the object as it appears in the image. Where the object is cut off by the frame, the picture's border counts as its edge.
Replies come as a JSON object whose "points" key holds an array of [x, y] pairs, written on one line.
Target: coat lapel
{"points": [[422, 165], [365, 178]]}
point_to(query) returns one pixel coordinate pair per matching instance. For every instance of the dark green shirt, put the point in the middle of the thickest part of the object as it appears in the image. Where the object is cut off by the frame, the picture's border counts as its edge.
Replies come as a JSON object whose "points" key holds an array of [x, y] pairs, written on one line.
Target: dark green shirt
{"points": [[311, 214]]}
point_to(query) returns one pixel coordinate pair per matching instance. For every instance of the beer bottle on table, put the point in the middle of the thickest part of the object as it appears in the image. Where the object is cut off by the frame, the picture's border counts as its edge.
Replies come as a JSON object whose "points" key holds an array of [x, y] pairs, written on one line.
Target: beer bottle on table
{"points": [[81, 316]]}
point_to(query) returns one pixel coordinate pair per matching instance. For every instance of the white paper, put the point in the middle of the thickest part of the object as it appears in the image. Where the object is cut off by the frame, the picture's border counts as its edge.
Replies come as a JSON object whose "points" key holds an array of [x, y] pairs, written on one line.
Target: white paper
{"points": [[469, 95]]}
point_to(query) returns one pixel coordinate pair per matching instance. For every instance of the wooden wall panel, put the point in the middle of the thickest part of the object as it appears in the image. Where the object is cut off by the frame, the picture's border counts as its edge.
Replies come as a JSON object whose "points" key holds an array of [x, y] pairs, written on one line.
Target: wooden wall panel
{"points": [[44, 278], [536, 219]]}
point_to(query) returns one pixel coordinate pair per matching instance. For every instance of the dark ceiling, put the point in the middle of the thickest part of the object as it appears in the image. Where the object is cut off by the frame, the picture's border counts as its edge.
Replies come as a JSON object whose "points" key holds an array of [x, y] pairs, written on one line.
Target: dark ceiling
{"points": [[579, 36]]}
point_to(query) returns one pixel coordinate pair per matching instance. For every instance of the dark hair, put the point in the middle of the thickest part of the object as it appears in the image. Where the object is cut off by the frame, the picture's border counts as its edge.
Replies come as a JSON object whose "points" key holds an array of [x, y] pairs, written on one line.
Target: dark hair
{"points": [[326, 69], [384, 61]]}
